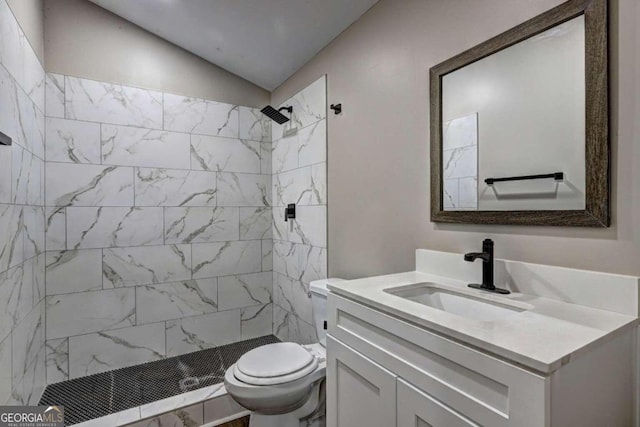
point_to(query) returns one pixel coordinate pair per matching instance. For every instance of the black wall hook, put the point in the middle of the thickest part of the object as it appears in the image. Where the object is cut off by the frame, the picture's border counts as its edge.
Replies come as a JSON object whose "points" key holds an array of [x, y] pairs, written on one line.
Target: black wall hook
{"points": [[337, 108]]}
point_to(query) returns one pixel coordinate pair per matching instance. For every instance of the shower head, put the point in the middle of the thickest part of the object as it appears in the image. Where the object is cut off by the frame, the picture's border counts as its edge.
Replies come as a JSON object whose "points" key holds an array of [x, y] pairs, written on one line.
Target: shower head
{"points": [[276, 115]]}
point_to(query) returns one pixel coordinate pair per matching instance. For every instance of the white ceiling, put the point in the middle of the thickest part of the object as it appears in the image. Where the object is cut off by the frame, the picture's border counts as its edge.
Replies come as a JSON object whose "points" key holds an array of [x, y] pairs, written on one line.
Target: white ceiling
{"points": [[264, 41]]}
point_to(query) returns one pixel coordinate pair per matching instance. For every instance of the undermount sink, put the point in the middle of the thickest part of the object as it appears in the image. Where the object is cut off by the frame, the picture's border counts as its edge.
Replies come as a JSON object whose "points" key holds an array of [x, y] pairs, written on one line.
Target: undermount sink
{"points": [[458, 302]]}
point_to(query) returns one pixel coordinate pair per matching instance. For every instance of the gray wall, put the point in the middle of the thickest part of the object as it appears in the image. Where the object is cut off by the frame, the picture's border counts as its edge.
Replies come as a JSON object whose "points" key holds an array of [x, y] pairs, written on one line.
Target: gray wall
{"points": [[378, 149], [84, 40], [30, 16]]}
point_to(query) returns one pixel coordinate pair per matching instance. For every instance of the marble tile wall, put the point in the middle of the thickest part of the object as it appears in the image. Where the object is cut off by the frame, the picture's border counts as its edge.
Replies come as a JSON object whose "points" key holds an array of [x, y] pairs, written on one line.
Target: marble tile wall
{"points": [[299, 167], [460, 163], [158, 225], [22, 245]]}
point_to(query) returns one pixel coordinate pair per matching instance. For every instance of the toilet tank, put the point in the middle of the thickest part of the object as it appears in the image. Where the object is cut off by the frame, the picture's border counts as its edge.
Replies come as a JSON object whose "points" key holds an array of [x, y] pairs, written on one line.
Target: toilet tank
{"points": [[319, 291]]}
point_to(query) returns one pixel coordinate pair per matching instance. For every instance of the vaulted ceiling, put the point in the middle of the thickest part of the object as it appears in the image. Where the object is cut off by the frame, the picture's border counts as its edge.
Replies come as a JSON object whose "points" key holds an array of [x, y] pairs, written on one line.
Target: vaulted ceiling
{"points": [[263, 41]]}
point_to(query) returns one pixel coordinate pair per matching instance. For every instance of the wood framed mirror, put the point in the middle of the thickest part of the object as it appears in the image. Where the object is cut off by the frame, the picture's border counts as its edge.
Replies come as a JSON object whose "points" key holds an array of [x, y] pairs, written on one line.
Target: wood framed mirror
{"points": [[520, 124]]}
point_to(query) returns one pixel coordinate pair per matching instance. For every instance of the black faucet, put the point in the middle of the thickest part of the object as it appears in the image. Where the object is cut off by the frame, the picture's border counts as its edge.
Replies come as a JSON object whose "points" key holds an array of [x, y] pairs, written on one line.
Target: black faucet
{"points": [[487, 268]]}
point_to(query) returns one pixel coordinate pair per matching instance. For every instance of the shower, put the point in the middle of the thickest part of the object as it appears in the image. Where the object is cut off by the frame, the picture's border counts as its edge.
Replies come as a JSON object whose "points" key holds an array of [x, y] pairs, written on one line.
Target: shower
{"points": [[276, 115]]}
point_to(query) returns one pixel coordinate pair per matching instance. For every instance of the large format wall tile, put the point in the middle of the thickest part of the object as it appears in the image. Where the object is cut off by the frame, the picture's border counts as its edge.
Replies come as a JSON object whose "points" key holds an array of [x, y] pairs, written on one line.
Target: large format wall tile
{"points": [[22, 227], [146, 265], [72, 141], [54, 92], [73, 271], [106, 227], [299, 253], [213, 153], [310, 226], [168, 187], [107, 350], [193, 115], [33, 231], [201, 225], [12, 243], [313, 263], [55, 228], [226, 258], [312, 144], [237, 189], [57, 362], [109, 103], [5, 371], [27, 172], [254, 125], [255, 223], [309, 106], [86, 312], [169, 301], [201, 332], [244, 290], [256, 321], [28, 346], [88, 185], [284, 155], [6, 160], [130, 146]]}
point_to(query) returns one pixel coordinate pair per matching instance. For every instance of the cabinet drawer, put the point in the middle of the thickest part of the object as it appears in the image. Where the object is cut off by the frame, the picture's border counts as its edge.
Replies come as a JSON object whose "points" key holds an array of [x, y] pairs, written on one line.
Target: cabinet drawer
{"points": [[416, 408], [479, 386]]}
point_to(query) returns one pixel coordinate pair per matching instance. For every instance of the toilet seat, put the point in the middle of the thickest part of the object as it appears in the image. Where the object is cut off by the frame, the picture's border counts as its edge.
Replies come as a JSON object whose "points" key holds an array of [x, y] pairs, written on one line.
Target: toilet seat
{"points": [[275, 364]]}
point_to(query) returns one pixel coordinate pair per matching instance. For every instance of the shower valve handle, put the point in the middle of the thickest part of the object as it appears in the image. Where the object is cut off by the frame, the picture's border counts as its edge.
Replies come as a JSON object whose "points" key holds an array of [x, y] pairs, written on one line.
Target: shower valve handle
{"points": [[290, 212]]}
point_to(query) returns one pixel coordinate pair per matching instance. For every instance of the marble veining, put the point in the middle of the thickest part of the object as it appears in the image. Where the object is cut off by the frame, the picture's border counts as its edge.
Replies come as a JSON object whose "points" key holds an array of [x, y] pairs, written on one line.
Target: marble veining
{"points": [[200, 224], [255, 223], [88, 185], [57, 361], [256, 321], [107, 350], [244, 290], [236, 189], [212, 153], [176, 300], [109, 103], [131, 146], [104, 227], [299, 175], [99, 310], [72, 141], [254, 125], [167, 187], [145, 265], [226, 258], [200, 116], [22, 318], [201, 332], [54, 85], [73, 271]]}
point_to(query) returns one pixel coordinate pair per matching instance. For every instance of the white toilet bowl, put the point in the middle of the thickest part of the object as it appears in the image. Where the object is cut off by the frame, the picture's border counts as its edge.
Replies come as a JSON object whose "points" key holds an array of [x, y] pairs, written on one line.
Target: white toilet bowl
{"points": [[282, 383]]}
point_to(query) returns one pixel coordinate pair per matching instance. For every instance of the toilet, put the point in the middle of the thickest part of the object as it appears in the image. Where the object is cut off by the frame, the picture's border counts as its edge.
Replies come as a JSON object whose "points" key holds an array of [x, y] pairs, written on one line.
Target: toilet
{"points": [[282, 383]]}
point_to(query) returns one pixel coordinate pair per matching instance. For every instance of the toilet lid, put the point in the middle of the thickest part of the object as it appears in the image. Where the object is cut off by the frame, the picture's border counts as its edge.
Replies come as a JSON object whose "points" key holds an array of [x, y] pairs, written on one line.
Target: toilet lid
{"points": [[275, 364]]}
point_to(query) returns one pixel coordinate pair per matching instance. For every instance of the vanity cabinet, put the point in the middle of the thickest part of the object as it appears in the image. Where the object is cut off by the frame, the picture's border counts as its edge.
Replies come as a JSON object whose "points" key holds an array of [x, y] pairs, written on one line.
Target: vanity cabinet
{"points": [[384, 371], [363, 393]]}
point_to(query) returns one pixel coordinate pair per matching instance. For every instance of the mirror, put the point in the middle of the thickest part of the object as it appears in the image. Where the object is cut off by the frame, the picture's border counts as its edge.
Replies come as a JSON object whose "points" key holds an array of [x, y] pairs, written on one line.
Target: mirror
{"points": [[520, 124]]}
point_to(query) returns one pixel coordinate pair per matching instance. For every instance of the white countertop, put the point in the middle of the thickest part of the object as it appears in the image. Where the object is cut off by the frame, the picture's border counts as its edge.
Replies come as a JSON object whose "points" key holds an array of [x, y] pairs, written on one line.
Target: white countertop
{"points": [[542, 338]]}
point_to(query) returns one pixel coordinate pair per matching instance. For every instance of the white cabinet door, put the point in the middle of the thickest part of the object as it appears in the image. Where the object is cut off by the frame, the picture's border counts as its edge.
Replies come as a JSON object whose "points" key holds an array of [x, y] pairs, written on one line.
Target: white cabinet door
{"points": [[418, 409], [359, 391]]}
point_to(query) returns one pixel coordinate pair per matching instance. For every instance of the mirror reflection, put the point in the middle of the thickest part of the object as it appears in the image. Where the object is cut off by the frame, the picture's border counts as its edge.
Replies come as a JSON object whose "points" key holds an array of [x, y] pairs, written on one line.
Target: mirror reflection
{"points": [[513, 133]]}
